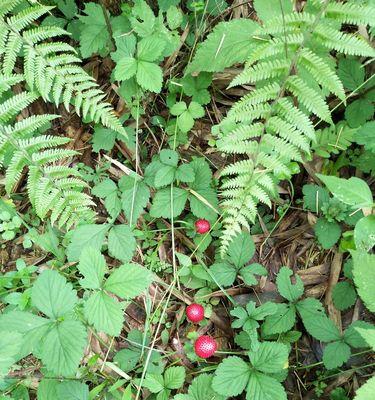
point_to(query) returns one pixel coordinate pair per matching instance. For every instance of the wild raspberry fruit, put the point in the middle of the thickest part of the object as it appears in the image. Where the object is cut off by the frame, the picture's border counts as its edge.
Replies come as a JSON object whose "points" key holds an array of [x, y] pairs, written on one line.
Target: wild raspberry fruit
{"points": [[205, 346], [195, 313], [202, 226]]}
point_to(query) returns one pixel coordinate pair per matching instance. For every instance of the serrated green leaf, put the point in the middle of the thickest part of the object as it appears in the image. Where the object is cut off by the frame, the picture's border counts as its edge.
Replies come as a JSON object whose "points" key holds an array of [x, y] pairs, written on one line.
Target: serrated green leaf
{"points": [[366, 391], [149, 76], [322, 328], [281, 321], [9, 344], [343, 295], [358, 112], [128, 281], [223, 273], [150, 48], [162, 207], [71, 390], [154, 382], [364, 277], [86, 236], [104, 313], [169, 157], [263, 387], [368, 335], [271, 357], [174, 377], [185, 173], [53, 295], [231, 376], [241, 249], [314, 197], [335, 354], [289, 291], [248, 273], [351, 73], [63, 346], [92, 266], [352, 336], [328, 233], [364, 233], [125, 68], [165, 176], [121, 242]]}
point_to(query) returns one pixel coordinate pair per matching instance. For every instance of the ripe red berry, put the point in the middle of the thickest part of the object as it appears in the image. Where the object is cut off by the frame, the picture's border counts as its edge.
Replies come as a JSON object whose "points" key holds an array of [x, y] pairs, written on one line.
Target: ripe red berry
{"points": [[205, 346], [195, 313], [202, 226]]}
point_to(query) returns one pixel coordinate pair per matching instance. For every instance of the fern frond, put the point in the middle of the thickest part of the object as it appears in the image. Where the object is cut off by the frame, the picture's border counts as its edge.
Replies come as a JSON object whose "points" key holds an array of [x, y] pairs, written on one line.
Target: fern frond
{"points": [[349, 13]]}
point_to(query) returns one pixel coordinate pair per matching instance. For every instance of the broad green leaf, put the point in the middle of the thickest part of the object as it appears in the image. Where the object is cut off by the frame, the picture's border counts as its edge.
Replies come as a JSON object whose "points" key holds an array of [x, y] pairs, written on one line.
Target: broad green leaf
{"points": [[72, 390], [286, 288], [154, 382], [265, 309], [178, 108], [241, 249], [128, 281], [351, 73], [203, 203], [314, 197], [358, 112], [185, 121], [62, 348], [321, 328], [169, 157], [165, 176], [281, 321], [366, 391], [47, 389], [248, 273], [353, 191], [103, 139], [196, 110], [53, 295], [162, 206], [86, 236], [9, 344], [185, 173], [271, 357], [121, 242], [365, 136], [335, 354], [104, 188], [231, 376], [263, 387], [125, 69], [200, 389], [344, 295], [174, 377], [223, 273], [364, 277], [104, 313], [328, 233], [134, 197], [202, 172], [174, 17], [92, 266], [229, 43], [368, 335], [352, 336], [364, 233], [150, 48], [149, 76], [310, 307], [94, 32], [269, 9]]}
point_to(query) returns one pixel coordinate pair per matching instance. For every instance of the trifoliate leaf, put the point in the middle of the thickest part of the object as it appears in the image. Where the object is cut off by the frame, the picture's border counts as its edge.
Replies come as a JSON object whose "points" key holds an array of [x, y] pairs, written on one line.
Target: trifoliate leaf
{"points": [[327, 233], [364, 277], [86, 236], [128, 281], [196, 87], [344, 295], [286, 288], [162, 207], [53, 295], [104, 313], [231, 376], [62, 347], [221, 49], [92, 266], [174, 377], [335, 354], [125, 68], [121, 242], [271, 357], [196, 110], [248, 273], [241, 249]]}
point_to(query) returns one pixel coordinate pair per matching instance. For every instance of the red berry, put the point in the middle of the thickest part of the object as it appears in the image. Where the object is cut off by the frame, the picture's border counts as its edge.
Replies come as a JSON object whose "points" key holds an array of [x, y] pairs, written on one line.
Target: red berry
{"points": [[205, 346], [202, 226], [195, 313]]}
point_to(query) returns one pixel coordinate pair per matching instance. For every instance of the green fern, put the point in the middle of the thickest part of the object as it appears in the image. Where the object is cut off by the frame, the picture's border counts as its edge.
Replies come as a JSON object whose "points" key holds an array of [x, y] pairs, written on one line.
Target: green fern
{"points": [[272, 125], [51, 69]]}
